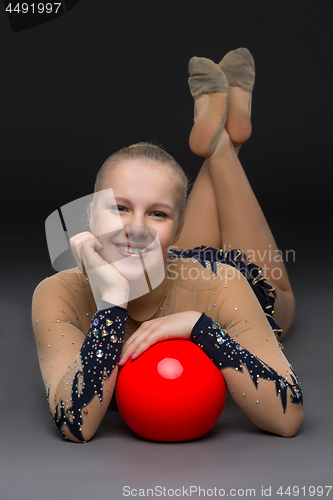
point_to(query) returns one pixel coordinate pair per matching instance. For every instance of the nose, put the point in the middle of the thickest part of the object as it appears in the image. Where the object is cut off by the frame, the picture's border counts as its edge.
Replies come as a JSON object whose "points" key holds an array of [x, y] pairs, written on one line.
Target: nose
{"points": [[136, 232]]}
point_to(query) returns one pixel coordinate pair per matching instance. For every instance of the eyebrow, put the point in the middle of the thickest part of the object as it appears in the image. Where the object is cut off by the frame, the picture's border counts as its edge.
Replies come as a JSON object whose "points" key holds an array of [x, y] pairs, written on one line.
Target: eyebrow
{"points": [[157, 204]]}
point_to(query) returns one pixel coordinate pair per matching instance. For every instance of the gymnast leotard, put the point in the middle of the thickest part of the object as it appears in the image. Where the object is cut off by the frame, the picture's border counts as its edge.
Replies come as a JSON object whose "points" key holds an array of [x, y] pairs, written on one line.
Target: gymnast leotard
{"points": [[236, 325]]}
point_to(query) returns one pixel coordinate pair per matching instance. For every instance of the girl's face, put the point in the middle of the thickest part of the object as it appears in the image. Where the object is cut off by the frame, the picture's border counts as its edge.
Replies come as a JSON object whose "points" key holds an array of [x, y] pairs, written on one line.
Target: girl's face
{"points": [[139, 222]]}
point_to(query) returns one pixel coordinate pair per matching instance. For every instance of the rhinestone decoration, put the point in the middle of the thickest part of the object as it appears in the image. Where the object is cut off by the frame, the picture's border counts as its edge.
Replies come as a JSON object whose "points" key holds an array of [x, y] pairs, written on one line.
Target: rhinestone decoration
{"points": [[99, 355], [235, 356]]}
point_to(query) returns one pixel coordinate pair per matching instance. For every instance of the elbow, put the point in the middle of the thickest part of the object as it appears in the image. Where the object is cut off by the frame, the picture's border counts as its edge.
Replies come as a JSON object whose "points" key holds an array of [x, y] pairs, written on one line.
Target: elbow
{"points": [[283, 424], [70, 435], [289, 428]]}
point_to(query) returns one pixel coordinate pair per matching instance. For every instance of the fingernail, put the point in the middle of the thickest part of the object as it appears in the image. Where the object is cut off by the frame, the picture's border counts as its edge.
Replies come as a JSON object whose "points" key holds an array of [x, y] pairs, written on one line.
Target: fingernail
{"points": [[131, 355], [119, 361]]}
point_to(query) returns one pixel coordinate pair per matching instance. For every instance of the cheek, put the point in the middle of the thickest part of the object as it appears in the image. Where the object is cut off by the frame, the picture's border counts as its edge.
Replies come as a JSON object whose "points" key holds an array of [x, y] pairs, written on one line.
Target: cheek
{"points": [[105, 223], [166, 236]]}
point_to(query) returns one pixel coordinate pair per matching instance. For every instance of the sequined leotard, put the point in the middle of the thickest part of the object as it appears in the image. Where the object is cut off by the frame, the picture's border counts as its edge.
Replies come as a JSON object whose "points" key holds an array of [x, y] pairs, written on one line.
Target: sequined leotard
{"points": [[236, 330]]}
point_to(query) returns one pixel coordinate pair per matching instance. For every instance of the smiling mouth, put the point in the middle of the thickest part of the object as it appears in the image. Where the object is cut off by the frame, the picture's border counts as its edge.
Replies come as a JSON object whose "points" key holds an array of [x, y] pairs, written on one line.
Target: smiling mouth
{"points": [[128, 250]]}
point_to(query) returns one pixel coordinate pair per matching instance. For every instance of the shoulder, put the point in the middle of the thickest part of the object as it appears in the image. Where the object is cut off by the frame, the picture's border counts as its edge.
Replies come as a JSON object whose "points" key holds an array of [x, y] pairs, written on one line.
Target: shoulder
{"points": [[210, 258], [199, 268], [63, 278], [61, 285], [64, 297]]}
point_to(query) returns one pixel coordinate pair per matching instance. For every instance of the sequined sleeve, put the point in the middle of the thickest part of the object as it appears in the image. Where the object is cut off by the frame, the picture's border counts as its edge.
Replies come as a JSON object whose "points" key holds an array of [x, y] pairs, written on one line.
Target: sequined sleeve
{"points": [[241, 342], [77, 369]]}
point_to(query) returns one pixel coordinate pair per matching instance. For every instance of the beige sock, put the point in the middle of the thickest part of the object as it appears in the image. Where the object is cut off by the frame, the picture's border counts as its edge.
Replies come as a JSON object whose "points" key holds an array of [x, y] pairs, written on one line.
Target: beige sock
{"points": [[206, 77], [238, 66]]}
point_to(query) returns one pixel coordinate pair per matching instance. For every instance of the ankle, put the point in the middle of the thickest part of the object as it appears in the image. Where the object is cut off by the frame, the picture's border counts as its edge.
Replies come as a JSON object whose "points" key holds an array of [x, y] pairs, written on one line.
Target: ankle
{"points": [[224, 149]]}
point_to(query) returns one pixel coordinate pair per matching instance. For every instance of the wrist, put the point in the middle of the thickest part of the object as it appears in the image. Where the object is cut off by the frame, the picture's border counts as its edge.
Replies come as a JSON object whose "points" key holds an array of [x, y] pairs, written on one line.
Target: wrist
{"points": [[194, 319], [116, 297]]}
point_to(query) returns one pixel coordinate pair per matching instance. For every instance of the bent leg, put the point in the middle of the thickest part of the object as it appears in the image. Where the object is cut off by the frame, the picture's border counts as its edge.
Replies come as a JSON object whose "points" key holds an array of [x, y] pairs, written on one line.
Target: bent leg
{"points": [[201, 221], [243, 225], [223, 212]]}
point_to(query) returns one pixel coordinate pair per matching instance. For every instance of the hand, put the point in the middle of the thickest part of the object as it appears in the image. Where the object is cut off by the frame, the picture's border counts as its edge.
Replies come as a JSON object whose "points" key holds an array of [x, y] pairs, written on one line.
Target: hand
{"points": [[175, 326], [112, 286]]}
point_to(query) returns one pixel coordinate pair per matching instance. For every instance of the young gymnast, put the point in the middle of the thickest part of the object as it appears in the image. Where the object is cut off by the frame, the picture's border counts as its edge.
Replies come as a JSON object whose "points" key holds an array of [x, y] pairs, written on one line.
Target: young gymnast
{"points": [[208, 295]]}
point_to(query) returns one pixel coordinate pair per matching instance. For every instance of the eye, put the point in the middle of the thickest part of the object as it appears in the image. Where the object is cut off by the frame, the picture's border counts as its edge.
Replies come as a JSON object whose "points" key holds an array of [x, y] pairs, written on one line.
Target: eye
{"points": [[158, 214], [118, 208]]}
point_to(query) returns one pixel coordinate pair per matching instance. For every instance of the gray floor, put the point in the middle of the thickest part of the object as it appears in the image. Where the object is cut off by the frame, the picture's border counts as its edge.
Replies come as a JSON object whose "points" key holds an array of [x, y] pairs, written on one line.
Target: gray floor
{"points": [[81, 87], [37, 464]]}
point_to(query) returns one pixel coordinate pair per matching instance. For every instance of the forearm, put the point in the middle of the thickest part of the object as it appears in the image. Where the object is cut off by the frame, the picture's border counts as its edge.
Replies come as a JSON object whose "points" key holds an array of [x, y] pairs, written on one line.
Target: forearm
{"points": [[264, 395], [85, 390]]}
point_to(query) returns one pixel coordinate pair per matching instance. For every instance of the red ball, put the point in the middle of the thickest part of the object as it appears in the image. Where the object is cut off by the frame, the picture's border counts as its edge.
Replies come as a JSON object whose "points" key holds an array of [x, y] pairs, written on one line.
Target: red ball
{"points": [[172, 392]]}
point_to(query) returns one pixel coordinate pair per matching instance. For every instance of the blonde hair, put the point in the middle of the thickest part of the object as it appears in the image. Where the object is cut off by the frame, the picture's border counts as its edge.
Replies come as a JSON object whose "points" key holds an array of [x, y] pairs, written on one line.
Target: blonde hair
{"points": [[154, 154]]}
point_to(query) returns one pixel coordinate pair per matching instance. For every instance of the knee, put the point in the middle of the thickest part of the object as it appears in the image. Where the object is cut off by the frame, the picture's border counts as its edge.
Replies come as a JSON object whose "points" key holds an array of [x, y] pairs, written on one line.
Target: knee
{"points": [[284, 309]]}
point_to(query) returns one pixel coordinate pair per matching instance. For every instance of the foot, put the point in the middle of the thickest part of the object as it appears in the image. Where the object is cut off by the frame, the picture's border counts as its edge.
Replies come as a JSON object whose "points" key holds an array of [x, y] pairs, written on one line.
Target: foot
{"points": [[238, 66], [209, 88]]}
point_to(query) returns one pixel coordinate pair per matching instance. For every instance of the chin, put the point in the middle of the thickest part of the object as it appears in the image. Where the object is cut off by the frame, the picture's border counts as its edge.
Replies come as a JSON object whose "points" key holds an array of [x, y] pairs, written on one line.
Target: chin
{"points": [[129, 270], [134, 268]]}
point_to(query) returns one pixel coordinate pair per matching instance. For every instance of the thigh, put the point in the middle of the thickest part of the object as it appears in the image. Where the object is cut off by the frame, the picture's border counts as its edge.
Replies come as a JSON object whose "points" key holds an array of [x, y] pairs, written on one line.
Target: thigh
{"points": [[201, 222]]}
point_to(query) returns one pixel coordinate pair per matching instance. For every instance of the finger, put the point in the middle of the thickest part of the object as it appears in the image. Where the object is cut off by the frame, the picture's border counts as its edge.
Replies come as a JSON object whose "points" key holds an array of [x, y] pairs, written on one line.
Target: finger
{"points": [[75, 249], [135, 349], [75, 245], [128, 350], [130, 346], [83, 267], [138, 336], [90, 258]]}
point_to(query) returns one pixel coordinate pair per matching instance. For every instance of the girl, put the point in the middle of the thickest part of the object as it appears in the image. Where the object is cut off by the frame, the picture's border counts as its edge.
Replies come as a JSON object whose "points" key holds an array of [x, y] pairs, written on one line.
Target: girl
{"points": [[90, 320]]}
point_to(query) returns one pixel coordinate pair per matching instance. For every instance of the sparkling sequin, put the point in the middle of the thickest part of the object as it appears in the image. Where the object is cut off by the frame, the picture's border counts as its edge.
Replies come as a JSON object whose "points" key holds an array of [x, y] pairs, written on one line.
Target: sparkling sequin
{"points": [[96, 364], [204, 335]]}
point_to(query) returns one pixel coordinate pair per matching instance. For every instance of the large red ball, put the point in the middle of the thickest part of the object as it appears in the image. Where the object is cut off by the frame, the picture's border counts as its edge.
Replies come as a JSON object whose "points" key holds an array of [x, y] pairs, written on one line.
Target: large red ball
{"points": [[172, 392]]}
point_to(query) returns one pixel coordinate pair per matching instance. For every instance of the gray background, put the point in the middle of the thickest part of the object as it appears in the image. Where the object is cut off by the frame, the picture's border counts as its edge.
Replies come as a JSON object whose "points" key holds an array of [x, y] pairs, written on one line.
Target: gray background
{"points": [[105, 75]]}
